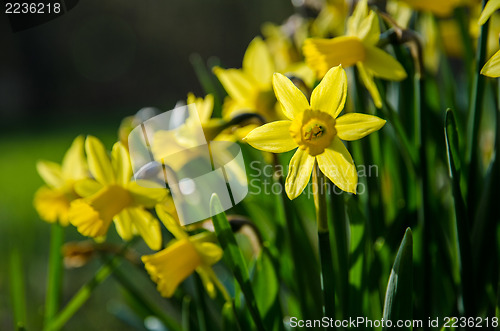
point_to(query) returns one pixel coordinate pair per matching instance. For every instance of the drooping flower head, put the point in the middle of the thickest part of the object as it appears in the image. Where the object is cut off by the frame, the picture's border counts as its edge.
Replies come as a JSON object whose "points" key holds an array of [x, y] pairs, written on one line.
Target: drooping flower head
{"points": [[316, 130], [112, 195], [183, 255], [52, 202], [358, 47]]}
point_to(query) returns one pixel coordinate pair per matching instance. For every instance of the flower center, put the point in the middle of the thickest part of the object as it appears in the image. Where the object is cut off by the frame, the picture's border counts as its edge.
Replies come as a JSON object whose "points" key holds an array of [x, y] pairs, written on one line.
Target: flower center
{"points": [[313, 131]]}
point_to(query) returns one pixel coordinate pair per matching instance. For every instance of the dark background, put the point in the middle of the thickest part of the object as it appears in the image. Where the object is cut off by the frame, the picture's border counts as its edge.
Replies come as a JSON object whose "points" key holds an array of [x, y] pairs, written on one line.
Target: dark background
{"points": [[116, 56]]}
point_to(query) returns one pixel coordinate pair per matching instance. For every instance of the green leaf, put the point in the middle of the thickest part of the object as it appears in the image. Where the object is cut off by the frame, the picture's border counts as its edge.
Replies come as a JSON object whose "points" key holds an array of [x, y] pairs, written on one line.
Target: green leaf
{"points": [[461, 222], [398, 297], [234, 258], [265, 282]]}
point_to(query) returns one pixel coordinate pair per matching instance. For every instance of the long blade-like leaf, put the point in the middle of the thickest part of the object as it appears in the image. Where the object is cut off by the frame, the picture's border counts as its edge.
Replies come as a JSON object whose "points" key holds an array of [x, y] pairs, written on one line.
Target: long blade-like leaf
{"points": [[398, 298], [234, 258]]}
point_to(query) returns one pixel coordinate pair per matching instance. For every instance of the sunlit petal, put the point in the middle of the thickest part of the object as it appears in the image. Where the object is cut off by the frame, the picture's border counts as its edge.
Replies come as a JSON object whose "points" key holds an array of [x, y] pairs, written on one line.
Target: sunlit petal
{"points": [[147, 226], [74, 165], [272, 137], [489, 9], [337, 164], [367, 78], [369, 30], [170, 222], [50, 172], [329, 96], [238, 85], [258, 63], [292, 100], [52, 205], [146, 193], [120, 161], [383, 65], [322, 54], [123, 224], [355, 126], [299, 173], [98, 160], [87, 187], [210, 253], [492, 67]]}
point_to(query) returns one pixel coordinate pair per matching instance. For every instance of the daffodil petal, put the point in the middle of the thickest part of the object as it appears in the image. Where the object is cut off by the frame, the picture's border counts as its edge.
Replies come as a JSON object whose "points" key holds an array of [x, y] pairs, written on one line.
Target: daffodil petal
{"points": [[120, 161], [492, 67], [170, 223], [238, 85], [52, 205], [51, 173], [147, 226], [146, 193], [355, 21], [210, 253], [272, 137], [299, 173], [123, 223], [204, 107], [489, 9], [292, 100], [383, 64], [329, 96], [87, 187], [354, 126], [369, 30], [74, 165], [367, 78], [258, 63], [98, 160], [323, 54], [337, 164]]}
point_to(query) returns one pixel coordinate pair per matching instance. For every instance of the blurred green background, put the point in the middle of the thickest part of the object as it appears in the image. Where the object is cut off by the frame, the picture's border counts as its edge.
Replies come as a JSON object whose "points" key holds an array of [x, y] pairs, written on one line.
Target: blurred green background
{"points": [[81, 74]]}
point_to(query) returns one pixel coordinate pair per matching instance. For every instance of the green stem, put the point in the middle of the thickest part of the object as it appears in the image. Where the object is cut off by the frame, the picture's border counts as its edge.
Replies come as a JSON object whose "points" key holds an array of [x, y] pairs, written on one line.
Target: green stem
{"points": [[341, 247], [55, 274], [84, 293], [475, 112], [423, 183], [325, 251], [17, 288]]}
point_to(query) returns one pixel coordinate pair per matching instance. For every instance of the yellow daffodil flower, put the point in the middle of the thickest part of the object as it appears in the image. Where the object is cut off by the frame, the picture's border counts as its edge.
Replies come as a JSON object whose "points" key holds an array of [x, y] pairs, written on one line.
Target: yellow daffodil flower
{"points": [[52, 202], [441, 8], [183, 255], [358, 47], [492, 67], [112, 195], [249, 88], [317, 132]]}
